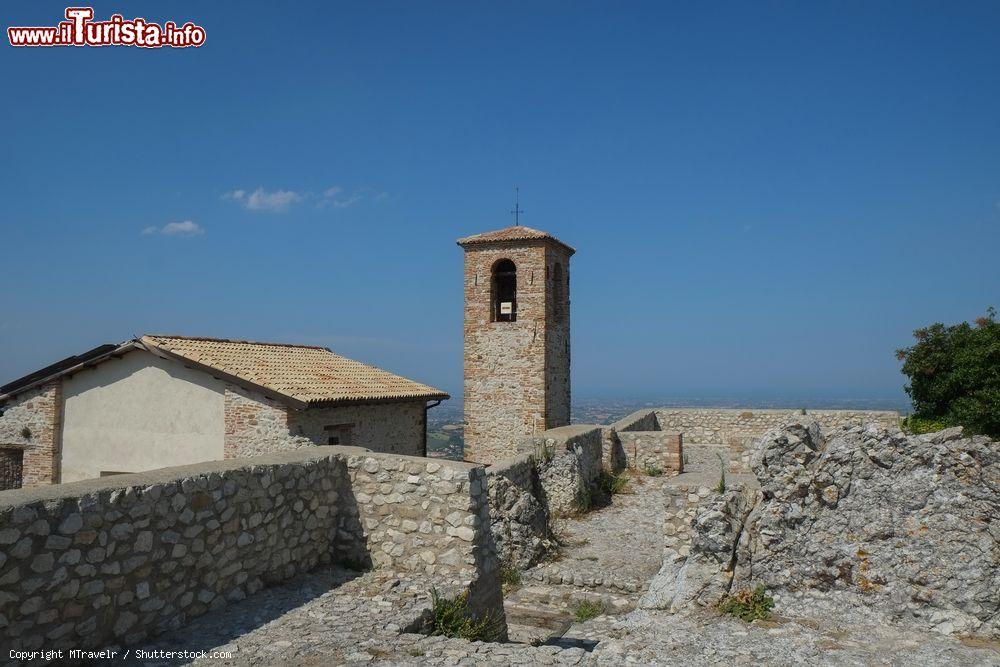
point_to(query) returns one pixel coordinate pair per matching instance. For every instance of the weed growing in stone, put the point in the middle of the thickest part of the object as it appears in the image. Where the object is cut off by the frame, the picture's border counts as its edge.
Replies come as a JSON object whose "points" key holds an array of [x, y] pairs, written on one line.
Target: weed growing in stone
{"points": [[748, 605], [545, 453], [586, 610], [612, 483], [510, 577], [653, 470], [452, 618]]}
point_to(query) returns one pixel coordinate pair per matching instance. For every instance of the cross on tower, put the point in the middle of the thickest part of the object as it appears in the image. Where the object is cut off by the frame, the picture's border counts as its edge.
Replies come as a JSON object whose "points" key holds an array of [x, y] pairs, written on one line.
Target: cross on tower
{"points": [[516, 211]]}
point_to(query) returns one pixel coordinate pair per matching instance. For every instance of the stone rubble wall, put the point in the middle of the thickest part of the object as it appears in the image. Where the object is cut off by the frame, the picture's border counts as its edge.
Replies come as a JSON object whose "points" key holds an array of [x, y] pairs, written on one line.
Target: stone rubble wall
{"points": [[258, 425], [118, 559], [702, 426], [569, 461], [519, 520], [663, 450]]}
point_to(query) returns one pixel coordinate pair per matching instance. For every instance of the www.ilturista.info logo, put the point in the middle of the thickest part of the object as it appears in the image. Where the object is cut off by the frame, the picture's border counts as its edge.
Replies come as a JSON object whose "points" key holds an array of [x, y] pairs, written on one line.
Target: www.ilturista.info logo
{"points": [[79, 29]]}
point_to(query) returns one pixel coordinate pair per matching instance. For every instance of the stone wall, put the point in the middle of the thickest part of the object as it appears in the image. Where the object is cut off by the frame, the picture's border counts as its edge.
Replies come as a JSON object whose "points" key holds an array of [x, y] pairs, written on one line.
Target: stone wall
{"points": [[729, 426], [516, 373], [662, 450], [569, 461], [518, 517], [120, 558], [31, 423], [391, 428], [257, 425]]}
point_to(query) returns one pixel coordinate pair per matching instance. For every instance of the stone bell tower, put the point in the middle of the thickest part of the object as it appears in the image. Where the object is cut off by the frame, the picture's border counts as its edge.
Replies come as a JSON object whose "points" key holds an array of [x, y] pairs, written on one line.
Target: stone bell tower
{"points": [[516, 339]]}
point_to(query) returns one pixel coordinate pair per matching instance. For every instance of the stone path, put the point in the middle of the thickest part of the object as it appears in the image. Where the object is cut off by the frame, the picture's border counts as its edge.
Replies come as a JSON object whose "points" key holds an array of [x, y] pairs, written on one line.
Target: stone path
{"points": [[607, 558]]}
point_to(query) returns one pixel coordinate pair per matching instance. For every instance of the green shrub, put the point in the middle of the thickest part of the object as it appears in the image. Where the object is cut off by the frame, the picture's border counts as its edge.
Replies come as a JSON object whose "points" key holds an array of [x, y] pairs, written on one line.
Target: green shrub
{"points": [[653, 470], [748, 605], [953, 375], [545, 453], [916, 425], [611, 483], [510, 577], [452, 618], [586, 610]]}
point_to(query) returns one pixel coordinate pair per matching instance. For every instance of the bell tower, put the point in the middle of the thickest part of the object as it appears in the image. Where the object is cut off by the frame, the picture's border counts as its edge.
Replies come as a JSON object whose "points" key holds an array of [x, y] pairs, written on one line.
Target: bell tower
{"points": [[516, 329]]}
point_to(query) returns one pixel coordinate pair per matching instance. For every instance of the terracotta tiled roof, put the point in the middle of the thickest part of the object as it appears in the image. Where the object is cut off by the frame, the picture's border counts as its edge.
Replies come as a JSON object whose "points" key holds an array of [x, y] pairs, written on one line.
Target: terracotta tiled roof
{"points": [[518, 233], [305, 374]]}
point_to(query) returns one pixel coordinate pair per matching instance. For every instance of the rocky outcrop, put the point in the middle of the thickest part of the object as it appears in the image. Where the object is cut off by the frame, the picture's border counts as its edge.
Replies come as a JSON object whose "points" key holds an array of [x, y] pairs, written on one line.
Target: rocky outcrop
{"points": [[706, 575], [908, 527]]}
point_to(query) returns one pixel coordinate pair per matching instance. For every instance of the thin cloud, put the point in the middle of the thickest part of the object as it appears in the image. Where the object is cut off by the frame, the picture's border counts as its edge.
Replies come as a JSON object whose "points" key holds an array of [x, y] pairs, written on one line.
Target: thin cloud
{"points": [[275, 201], [185, 228], [338, 197]]}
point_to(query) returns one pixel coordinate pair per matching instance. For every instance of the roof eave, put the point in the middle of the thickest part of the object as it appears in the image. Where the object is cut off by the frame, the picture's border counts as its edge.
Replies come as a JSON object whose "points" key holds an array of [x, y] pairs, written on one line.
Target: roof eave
{"points": [[335, 402], [473, 241], [125, 347]]}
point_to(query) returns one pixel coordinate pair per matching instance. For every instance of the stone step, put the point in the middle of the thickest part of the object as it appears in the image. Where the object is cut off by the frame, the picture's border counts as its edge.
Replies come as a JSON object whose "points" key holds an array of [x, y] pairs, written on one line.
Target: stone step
{"points": [[555, 576], [566, 598], [540, 616]]}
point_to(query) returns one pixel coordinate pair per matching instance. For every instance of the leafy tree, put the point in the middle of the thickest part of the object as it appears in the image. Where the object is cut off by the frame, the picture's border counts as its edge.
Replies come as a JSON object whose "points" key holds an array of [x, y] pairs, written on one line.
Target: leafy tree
{"points": [[954, 374]]}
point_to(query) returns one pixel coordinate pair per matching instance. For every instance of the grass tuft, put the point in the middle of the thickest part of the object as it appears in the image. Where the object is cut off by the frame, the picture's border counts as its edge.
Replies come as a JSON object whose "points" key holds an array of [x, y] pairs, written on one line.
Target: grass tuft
{"points": [[653, 470], [586, 610], [510, 577], [452, 618], [748, 605]]}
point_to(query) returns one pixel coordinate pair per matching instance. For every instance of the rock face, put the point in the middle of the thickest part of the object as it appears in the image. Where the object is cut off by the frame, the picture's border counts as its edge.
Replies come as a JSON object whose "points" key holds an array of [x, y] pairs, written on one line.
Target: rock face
{"points": [[908, 527], [706, 575]]}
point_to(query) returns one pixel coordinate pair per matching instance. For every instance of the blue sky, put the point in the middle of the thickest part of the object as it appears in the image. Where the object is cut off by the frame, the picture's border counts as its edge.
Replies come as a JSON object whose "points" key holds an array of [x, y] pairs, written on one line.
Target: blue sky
{"points": [[766, 198]]}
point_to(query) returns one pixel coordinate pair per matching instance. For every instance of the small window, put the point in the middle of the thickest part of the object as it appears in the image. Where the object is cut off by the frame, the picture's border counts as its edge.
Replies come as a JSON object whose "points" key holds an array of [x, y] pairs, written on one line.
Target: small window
{"points": [[339, 434], [504, 291]]}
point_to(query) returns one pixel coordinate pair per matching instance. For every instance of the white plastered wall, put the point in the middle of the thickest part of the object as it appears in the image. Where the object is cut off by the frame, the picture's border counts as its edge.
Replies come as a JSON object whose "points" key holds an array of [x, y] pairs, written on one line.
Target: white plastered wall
{"points": [[139, 413]]}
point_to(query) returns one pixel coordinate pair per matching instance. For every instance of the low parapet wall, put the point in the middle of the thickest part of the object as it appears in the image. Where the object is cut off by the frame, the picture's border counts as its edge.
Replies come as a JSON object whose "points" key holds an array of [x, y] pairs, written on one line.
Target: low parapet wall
{"points": [[735, 426], [118, 559], [653, 450]]}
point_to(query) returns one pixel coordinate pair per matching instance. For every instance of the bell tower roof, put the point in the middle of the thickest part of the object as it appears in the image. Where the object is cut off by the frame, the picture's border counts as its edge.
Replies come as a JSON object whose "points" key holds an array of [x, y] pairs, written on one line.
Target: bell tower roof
{"points": [[514, 233]]}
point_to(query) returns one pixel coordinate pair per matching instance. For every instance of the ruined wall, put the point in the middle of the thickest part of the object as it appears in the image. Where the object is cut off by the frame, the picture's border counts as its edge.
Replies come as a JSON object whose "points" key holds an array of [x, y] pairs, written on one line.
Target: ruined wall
{"points": [[516, 373], [31, 423], [729, 426], [518, 518], [661, 450], [117, 559], [569, 462], [257, 425]]}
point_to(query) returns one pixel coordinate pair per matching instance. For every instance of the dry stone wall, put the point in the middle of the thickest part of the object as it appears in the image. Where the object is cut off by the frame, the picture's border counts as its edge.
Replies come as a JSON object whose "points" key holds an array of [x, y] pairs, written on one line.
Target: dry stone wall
{"points": [[117, 559], [702, 426]]}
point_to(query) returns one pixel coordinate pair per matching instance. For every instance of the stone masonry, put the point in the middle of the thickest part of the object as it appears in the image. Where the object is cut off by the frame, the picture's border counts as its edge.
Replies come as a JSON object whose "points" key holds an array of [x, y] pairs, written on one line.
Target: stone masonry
{"points": [[119, 559], [31, 423], [516, 373], [739, 426], [257, 425]]}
